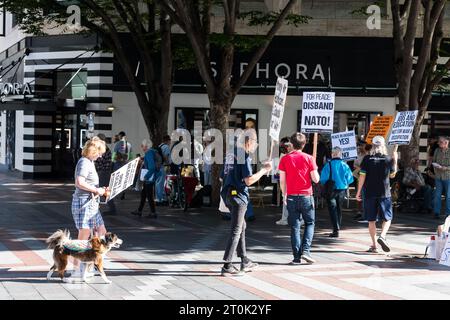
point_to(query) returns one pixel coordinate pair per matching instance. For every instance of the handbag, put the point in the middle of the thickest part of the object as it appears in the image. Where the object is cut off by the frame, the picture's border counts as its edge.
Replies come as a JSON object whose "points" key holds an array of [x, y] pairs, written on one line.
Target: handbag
{"points": [[329, 185]]}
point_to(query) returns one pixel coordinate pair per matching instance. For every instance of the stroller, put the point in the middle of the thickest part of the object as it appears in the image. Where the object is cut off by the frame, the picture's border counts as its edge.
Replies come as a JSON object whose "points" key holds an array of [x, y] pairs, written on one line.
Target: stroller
{"points": [[180, 187]]}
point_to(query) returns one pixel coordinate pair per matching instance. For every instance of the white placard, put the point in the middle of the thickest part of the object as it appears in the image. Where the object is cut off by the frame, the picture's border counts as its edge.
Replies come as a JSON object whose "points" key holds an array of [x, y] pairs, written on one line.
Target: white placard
{"points": [[122, 178], [318, 112], [279, 100], [403, 127], [2, 22], [445, 255], [347, 142]]}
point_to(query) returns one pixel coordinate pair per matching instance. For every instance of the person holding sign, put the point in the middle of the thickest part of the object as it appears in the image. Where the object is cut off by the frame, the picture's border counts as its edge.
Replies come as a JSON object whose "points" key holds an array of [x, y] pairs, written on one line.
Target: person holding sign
{"points": [[339, 172], [376, 169], [237, 177], [297, 171], [441, 165], [85, 207]]}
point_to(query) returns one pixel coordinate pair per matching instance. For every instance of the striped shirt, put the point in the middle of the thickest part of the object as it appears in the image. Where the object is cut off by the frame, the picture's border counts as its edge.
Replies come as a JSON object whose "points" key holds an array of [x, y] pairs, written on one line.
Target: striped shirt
{"points": [[442, 157]]}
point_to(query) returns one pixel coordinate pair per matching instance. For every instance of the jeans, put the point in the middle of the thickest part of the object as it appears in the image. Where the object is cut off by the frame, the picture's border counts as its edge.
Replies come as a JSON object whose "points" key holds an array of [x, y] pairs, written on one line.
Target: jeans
{"points": [[147, 193], [301, 208], [160, 181], [334, 208], [427, 192], [236, 240], [442, 185]]}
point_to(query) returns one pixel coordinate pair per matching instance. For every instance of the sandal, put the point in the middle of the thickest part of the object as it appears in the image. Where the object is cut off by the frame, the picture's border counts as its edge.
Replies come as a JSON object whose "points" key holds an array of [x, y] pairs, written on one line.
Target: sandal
{"points": [[372, 250]]}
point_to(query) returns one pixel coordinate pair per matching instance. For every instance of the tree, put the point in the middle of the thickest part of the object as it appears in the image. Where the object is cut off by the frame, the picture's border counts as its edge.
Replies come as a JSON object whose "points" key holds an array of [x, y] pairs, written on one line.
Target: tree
{"points": [[415, 88], [194, 18], [110, 19]]}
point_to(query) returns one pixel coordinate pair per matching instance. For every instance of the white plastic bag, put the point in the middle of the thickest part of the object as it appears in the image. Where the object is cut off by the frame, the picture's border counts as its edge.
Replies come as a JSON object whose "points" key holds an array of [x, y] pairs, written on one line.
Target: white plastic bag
{"points": [[222, 206]]}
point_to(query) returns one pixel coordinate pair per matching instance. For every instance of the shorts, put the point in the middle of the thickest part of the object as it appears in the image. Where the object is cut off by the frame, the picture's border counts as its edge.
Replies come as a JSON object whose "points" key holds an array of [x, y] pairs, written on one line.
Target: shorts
{"points": [[88, 217], [374, 207]]}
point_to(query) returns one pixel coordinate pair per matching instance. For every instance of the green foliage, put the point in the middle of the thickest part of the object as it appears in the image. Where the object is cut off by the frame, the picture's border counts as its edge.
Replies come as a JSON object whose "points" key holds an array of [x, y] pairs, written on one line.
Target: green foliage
{"points": [[258, 18], [362, 12]]}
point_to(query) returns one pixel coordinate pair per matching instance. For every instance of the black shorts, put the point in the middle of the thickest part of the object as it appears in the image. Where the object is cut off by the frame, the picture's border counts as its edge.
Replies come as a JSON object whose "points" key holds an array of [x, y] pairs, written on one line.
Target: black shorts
{"points": [[374, 207]]}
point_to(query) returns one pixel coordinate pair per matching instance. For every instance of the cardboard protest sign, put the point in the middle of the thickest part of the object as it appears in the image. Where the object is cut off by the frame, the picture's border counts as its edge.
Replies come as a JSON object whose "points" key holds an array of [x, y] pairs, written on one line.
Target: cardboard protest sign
{"points": [[347, 142], [403, 127], [122, 178], [380, 127], [279, 100], [445, 255], [318, 112]]}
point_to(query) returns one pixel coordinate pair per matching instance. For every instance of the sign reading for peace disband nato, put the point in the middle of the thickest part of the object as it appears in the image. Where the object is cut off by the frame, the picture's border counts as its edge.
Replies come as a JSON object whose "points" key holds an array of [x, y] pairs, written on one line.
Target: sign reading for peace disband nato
{"points": [[279, 100], [403, 127], [318, 112]]}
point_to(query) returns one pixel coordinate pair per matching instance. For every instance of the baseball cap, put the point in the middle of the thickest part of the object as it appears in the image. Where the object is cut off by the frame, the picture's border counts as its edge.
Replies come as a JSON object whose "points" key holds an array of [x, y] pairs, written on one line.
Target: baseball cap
{"points": [[378, 141]]}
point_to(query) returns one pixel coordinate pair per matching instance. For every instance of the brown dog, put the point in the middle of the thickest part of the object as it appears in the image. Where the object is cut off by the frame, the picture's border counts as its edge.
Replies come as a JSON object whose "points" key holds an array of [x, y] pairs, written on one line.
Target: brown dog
{"points": [[90, 252]]}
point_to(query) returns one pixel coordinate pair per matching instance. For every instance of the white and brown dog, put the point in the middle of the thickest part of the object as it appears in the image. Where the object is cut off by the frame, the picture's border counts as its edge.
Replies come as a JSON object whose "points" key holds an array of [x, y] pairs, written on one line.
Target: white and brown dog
{"points": [[90, 252]]}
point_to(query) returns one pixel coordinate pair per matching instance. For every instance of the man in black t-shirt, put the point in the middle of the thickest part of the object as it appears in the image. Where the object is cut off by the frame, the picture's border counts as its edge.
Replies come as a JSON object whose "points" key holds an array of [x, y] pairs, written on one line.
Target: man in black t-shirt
{"points": [[376, 169]]}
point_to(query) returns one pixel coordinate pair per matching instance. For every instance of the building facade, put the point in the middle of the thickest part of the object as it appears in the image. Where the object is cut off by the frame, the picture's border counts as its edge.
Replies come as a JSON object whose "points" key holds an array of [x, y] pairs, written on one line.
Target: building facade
{"points": [[60, 89]]}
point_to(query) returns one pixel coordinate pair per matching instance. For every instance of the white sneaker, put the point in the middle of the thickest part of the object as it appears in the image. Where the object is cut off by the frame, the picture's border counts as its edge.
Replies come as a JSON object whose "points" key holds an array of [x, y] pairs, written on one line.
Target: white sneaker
{"points": [[75, 277], [282, 222]]}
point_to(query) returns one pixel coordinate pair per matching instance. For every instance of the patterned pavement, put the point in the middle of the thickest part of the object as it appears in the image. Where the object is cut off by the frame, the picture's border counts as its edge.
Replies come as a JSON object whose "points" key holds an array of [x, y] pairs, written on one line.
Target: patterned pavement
{"points": [[178, 256]]}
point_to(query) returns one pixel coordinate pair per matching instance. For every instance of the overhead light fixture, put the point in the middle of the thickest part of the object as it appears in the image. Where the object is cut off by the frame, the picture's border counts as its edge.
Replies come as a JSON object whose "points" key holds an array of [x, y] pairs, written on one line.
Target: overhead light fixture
{"points": [[110, 108]]}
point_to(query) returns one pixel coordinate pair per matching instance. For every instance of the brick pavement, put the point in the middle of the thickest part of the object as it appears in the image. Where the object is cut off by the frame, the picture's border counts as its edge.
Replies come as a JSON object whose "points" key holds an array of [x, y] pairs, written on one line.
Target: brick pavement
{"points": [[178, 256]]}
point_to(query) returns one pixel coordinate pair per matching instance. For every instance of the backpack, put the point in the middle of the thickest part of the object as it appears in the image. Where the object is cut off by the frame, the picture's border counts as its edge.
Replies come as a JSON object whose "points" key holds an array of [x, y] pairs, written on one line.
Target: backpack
{"points": [[328, 189], [122, 154], [158, 158]]}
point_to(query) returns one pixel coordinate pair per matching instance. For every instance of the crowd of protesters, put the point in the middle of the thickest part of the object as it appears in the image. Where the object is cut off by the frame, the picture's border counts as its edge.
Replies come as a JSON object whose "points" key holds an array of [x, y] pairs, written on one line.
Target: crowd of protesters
{"points": [[298, 172]]}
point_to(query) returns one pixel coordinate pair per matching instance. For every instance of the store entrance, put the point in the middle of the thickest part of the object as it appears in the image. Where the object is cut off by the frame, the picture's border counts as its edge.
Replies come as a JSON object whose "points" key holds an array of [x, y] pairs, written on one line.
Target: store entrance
{"points": [[69, 134], [10, 139]]}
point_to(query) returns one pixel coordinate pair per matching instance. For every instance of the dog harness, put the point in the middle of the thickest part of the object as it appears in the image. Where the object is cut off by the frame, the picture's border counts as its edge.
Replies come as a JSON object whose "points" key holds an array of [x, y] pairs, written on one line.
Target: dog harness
{"points": [[76, 246]]}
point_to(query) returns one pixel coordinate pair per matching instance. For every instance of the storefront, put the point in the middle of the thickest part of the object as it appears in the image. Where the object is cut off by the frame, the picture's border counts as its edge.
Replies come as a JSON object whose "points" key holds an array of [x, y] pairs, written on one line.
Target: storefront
{"points": [[51, 88], [76, 91]]}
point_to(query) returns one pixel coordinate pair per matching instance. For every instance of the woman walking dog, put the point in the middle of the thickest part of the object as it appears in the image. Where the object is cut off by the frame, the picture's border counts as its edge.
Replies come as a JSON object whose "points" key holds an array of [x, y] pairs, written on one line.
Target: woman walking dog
{"points": [[85, 206]]}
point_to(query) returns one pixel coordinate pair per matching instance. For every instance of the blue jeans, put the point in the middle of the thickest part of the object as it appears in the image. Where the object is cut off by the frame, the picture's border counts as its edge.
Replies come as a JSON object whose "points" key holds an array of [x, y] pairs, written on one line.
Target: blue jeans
{"points": [[334, 208], [160, 192], [301, 209], [442, 185], [427, 196]]}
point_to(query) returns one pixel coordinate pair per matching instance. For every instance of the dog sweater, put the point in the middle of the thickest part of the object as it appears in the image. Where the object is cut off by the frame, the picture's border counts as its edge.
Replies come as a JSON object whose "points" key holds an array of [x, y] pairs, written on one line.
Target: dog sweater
{"points": [[76, 246]]}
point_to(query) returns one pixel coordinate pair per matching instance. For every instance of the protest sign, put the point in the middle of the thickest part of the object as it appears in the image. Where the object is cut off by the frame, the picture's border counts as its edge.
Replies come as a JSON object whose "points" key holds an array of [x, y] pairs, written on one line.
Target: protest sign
{"points": [[279, 100], [346, 141], [318, 112], [403, 127], [379, 127], [122, 178]]}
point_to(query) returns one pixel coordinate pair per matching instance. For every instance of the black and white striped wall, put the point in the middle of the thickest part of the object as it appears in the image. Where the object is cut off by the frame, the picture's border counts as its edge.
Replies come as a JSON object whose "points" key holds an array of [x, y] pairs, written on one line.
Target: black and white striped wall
{"points": [[34, 143]]}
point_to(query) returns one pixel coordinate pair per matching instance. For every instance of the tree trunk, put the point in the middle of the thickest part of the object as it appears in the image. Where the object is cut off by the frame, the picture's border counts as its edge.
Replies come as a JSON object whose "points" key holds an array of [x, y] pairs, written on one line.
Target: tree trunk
{"points": [[411, 151], [220, 111]]}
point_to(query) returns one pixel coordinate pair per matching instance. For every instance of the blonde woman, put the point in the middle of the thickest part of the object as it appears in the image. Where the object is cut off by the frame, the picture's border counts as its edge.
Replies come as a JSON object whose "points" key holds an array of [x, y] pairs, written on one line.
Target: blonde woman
{"points": [[85, 207]]}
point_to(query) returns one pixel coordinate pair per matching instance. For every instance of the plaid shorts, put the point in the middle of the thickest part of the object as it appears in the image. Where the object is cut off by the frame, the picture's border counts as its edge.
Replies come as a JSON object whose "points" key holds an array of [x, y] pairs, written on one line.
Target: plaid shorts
{"points": [[88, 217]]}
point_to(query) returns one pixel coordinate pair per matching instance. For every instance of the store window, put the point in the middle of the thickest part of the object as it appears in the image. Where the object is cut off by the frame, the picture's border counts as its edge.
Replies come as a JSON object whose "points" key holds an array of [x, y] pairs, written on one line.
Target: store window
{"points": [[71, 84], [239, 118]]}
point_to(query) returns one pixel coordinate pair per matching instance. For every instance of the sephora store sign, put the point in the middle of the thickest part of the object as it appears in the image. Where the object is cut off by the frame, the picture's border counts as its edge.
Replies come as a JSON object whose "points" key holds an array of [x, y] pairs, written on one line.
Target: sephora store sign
{"points": [[15, 89]]}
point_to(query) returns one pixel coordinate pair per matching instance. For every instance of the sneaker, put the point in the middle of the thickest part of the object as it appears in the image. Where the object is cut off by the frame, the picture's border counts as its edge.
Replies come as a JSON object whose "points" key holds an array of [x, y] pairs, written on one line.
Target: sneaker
{"points": [[249, 266], [307, 257], [372, 250], [231, 271], [295, 262], [281, 222], [334, 234], [137, 213], [383, 244], [75, 277]]}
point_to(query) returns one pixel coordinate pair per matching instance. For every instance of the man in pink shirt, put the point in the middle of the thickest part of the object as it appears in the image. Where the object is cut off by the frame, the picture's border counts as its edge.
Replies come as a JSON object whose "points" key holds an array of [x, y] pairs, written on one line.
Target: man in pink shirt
{"points": [[297, 170]]}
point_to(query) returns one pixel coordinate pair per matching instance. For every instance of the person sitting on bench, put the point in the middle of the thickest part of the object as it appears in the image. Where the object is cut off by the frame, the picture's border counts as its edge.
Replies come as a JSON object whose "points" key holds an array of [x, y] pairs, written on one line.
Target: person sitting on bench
{"points": [[413, 178]]}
